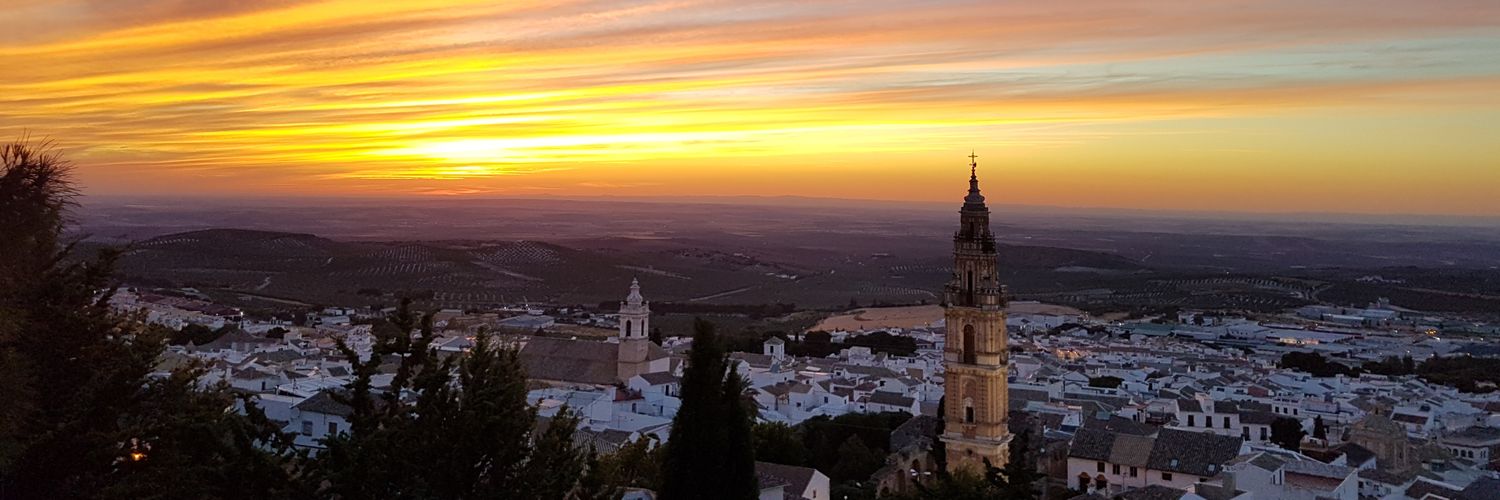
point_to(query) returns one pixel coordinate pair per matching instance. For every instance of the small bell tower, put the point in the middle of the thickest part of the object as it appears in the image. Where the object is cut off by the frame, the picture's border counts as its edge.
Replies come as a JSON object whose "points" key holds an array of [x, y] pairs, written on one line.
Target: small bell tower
{"points": [[635, 346], [635, 314]]}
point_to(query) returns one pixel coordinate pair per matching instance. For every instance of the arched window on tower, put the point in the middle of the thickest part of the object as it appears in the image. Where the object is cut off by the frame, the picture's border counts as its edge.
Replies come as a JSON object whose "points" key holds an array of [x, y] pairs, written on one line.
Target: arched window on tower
{"points": [[968, 410], [969, 344], [628, 324]]}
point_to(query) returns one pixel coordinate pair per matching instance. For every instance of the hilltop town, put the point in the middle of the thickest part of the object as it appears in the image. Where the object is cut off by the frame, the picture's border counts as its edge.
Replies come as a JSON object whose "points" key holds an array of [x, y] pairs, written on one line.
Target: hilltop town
{"points": [[1309, 402]]}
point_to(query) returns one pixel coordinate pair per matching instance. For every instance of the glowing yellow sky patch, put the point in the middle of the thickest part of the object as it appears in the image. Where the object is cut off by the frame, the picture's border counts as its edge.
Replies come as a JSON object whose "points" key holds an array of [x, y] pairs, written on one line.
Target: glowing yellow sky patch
{"points": [[1382, 106]]}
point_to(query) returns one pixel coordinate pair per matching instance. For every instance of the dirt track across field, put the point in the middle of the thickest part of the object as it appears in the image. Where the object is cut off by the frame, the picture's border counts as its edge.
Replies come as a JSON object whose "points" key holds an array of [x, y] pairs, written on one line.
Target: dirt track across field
{"points": [[914, 316]]}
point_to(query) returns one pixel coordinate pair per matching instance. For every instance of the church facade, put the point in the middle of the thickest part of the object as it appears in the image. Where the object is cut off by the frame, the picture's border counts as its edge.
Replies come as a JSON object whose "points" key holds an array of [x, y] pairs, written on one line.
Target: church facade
{"points": [[976, 354]]}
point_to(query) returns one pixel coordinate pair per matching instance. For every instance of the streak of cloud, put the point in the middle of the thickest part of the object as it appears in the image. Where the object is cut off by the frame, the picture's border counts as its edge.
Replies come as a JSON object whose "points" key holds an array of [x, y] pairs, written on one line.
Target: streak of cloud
{"points": [[459, 97]]}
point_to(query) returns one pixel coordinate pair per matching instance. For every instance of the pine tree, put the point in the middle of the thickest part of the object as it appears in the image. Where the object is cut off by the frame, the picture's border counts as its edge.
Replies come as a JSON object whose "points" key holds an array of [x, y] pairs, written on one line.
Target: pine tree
{"points": [[1320, 430], [635, 465], [446, 430], [83, 417], [595, 483]]}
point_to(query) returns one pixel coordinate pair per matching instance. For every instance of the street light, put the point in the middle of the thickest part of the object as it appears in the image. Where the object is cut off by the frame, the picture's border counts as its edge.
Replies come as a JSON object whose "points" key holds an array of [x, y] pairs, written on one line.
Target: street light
{"points": [[137, 450]]}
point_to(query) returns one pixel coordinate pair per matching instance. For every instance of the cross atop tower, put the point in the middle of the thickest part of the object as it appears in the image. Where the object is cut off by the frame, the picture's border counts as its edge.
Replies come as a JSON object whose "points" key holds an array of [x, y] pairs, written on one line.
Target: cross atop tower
{"points": [[973, 164]]}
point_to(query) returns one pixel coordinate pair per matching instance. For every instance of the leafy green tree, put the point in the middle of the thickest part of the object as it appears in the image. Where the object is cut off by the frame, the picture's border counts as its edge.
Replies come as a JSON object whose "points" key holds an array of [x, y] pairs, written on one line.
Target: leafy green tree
{"points": [[1315, 364], [856, 460], [1016, 480], [1287, 433], [193, 333], [779, 443], [1107, 382], [824, 437], [961, 485], [701, 461]]}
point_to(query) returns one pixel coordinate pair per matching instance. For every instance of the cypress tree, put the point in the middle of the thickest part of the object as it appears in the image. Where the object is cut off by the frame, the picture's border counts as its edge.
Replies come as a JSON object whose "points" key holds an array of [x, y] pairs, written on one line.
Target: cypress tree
{"points": [[739, 468], [693, 463], [939, 449], [706, 455]]}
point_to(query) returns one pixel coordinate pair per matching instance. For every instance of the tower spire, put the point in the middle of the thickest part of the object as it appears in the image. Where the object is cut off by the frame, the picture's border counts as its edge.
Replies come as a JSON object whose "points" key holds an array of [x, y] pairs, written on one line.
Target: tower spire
{"points": [[635, 297], [975, 200]]}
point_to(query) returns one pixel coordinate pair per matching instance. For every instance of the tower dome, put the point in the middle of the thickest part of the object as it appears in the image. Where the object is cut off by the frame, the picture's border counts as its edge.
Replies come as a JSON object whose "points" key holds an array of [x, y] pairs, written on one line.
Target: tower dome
{"points": [[635, 314]]}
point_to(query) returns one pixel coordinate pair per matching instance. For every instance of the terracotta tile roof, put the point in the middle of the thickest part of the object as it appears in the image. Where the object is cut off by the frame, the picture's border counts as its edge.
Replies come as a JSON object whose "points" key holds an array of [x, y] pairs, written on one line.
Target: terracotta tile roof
{"points": [[566, 360]]}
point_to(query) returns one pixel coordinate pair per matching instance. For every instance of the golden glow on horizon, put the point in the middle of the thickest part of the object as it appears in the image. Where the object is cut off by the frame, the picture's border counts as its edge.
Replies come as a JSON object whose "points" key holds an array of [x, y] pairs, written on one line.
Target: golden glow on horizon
{"points": [[1379, 106]]}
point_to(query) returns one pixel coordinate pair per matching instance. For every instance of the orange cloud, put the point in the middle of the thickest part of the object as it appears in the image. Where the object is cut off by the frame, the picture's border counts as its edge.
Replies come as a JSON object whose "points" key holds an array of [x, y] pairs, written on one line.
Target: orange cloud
{"points": [[1217, 105]]}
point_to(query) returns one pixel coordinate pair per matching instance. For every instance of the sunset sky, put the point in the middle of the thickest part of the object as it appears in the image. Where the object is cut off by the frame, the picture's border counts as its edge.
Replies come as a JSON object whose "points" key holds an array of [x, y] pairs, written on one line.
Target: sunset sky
{"points": [[1369, 106]]}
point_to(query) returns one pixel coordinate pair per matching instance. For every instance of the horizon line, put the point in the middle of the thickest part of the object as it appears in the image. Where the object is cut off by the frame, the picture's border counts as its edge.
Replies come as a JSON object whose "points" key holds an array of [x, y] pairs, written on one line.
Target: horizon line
{"points": [[744, 200]]}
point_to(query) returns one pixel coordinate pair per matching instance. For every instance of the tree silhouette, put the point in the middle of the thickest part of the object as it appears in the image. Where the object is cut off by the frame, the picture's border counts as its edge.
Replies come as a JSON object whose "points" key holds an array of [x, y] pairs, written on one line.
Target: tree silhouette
{"points": [[83, 417], [780, 443], [1287, 433], [446, 429], [701, 461]]}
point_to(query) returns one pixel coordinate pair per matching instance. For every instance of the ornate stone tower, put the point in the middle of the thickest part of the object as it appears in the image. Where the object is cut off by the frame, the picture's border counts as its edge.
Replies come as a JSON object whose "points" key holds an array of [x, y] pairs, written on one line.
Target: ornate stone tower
{"points": [[975, 358], [635, 319], [635, 314]]}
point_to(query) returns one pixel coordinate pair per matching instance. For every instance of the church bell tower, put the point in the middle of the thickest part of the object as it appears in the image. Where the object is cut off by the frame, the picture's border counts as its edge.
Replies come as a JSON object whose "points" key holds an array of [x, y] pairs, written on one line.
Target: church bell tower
{"points": [[635, 314], [635, 320], [975, 357]]}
